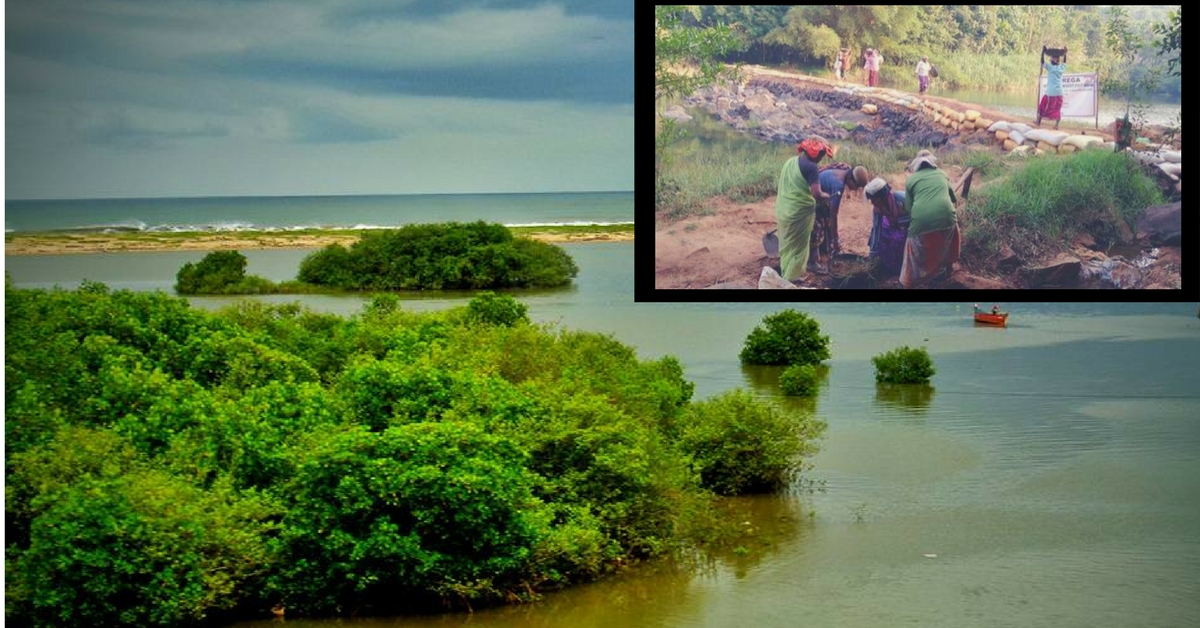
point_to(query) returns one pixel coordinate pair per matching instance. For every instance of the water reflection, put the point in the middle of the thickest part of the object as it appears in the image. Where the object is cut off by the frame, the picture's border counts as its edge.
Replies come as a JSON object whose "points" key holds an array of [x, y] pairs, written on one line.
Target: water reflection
{"points": [[764, 380], [909, 398]]}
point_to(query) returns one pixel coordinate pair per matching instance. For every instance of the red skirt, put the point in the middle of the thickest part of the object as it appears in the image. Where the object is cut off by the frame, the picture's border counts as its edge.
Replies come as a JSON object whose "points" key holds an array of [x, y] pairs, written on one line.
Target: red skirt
{"points": [[1051, 107], [925, 255]]}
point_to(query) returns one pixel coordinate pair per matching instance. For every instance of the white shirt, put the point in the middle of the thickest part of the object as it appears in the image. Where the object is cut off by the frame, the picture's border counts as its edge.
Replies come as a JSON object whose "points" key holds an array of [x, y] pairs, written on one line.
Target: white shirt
{"points": [[922, 68]]}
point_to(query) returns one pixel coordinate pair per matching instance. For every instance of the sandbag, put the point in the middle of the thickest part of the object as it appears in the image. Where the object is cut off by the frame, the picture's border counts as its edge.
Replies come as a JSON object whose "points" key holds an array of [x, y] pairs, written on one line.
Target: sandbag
{"points": [[1170, 168], [1173, 156], [959, 117], [911, 105], [1001, 135], [870, 109], [1045, 147], [967, 126], [1053, 138], [1147, 159], [1016, 136], [1066, 149], [1009, 145], [1081, 141], [1019, 126], [999, 125], [984, 123], [971, 114]]}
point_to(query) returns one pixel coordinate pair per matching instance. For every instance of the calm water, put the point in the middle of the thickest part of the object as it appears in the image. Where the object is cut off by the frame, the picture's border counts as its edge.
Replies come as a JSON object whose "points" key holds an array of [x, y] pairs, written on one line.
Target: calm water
{"points": [[297, 212], [1050, 476]]}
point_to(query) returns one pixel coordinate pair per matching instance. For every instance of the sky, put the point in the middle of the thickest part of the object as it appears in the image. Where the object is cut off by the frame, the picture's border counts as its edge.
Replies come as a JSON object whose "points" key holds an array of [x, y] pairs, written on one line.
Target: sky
{"points": [[142, 98]]}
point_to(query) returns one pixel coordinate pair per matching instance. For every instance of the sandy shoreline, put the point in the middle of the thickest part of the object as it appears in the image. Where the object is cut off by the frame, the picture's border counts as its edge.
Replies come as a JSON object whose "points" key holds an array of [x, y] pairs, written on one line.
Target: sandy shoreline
{"points": [[60, 244]]}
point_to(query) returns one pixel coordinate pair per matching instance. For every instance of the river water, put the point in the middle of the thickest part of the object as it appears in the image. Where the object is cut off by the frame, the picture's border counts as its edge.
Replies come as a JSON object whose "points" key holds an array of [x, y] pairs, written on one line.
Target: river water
{"points": [[1049, 477]]}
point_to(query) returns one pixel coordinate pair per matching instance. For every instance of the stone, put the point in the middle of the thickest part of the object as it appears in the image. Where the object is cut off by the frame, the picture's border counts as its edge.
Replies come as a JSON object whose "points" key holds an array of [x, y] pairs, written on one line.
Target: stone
{"points": [[1161, 225], [1007, 259], [1060, 272], [677, 113], [1085, 240], [771, 280]]}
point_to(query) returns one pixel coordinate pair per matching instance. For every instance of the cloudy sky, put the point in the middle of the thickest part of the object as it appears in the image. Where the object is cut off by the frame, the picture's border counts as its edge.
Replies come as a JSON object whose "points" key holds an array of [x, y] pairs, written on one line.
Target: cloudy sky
{"points": [[130, 98]]}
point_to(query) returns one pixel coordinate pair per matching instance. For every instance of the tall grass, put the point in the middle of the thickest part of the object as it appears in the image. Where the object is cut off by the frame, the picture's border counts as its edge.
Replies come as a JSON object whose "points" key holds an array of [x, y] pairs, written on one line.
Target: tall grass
{"points": [[699, 170], [1052, 199]]}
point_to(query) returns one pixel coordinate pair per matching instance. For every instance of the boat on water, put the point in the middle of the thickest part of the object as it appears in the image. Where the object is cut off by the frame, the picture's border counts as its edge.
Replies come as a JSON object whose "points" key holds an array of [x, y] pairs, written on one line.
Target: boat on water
{"points": [[1000, 319]]}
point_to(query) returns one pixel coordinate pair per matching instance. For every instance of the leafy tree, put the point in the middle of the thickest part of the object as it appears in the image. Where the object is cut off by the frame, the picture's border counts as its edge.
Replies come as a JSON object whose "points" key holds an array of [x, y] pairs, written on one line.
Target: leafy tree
{"points": [[1170, 40], [904, 365], [220, 272], [440, 256], [799, 380], [739, 445], [785, 338], [1135, 76], [494, 309], [378, 518], [685, 59], [142, 549]]}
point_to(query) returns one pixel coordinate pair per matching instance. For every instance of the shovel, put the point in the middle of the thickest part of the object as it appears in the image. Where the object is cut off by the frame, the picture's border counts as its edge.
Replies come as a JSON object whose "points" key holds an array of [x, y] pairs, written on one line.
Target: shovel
{"points": [[771, 243]]}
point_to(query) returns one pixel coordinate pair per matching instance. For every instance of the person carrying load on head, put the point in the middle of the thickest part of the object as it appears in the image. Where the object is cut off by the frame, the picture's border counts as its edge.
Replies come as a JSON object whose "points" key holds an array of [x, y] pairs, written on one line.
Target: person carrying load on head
{"points": [[797, 193], [1051, 105]]}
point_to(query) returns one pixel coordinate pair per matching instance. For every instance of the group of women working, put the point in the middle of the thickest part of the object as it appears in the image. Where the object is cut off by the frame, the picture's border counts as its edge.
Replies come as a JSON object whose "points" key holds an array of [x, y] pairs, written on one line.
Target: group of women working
{"points": [[914, 233]]}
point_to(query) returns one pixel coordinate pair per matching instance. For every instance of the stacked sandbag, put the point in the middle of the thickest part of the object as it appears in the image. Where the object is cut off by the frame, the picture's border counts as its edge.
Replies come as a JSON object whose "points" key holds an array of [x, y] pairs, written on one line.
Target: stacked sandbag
{"points": [[971, 114], [870, 109], [1080, 141], [1016, 136], [1048, 137], [1172, 156]]}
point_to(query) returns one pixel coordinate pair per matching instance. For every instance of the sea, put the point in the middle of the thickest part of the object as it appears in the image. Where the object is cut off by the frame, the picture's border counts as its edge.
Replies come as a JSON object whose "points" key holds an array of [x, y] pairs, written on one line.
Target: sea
{"points": [[289, 213]]}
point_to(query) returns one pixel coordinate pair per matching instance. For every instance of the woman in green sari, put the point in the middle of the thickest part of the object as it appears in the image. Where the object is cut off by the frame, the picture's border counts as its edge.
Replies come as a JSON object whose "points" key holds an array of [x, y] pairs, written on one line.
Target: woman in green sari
{"points": [[795, 205]]}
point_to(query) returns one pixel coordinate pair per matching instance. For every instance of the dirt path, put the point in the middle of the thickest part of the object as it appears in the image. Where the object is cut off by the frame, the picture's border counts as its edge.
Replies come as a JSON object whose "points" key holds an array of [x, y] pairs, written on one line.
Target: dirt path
{"points": [[727, 247], [985, 112]]}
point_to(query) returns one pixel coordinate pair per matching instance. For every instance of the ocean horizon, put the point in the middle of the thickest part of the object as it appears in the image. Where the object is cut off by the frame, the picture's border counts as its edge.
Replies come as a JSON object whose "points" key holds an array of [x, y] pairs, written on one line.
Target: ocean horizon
{"points": [[291, 213]]}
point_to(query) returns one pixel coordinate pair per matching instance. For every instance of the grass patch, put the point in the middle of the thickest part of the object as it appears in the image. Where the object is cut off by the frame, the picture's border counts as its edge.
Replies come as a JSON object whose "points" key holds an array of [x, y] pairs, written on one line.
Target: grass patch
{"points": [[1048, 201], [699, 170]]}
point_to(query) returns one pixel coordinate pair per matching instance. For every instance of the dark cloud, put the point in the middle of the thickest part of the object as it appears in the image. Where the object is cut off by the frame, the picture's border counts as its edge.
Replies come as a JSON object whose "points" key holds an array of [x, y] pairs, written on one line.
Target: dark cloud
{"points": [[122, 131], [327, 127], [601, 80], [436, 9]]}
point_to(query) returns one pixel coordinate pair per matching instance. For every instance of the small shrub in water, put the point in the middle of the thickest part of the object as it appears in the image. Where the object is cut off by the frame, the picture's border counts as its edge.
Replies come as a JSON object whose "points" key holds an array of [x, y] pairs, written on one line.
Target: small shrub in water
{"points": [[903, 366], [785, 338], [799, 380]]}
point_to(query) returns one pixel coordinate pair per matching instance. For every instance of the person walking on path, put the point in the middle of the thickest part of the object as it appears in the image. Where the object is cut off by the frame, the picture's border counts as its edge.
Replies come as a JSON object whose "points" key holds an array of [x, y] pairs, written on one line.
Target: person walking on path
{"points": [[923, 74], [874, 60], [1051, 105]]}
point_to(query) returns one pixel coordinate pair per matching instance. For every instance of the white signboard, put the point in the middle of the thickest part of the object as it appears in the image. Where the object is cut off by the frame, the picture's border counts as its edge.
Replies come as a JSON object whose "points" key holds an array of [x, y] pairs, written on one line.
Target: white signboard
{"points": [[1080, 93]]}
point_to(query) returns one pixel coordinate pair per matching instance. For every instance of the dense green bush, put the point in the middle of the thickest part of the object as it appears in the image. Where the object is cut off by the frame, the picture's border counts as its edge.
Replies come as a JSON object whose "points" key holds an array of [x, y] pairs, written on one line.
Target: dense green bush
{"points": [[903, 366], [799, 380], [220, 272], [141, 549], [378, 518], [740, 445], [784, 338], [440, 256], [497, 309], [208, 463]]}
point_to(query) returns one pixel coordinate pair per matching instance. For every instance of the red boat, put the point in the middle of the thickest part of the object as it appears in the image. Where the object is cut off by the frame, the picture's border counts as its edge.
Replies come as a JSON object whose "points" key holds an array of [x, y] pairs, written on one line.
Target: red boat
{"points": [[1000, 319]]}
